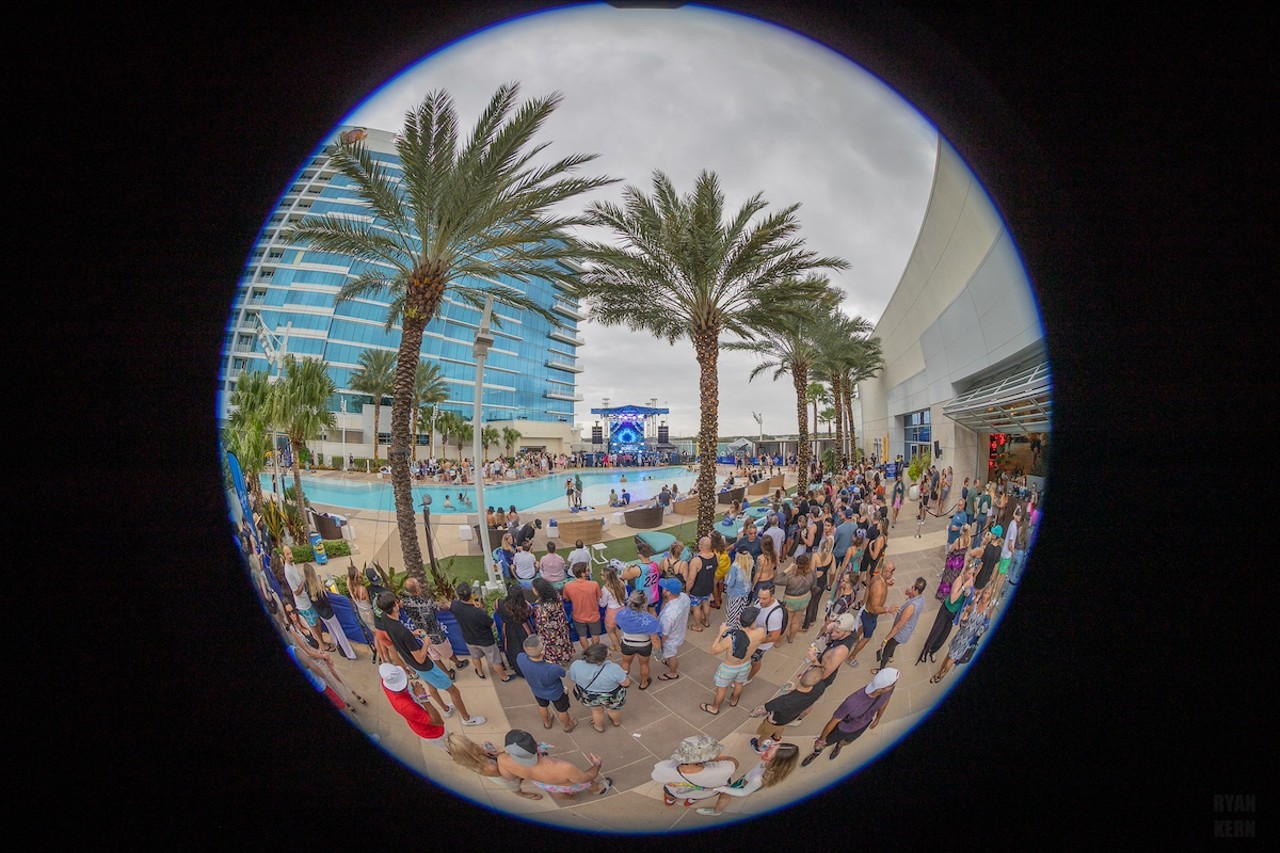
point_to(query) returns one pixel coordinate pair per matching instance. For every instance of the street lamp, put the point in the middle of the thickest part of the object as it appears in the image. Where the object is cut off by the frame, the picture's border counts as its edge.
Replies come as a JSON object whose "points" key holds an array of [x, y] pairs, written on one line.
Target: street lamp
{"points": [[484, 341], [343, 429]]}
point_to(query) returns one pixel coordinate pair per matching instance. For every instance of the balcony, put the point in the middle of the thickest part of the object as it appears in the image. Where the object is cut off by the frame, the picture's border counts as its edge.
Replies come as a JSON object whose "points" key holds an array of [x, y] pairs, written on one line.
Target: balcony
{"points": [[562, 364], [560, 395], [566, 336], [568, 310]]}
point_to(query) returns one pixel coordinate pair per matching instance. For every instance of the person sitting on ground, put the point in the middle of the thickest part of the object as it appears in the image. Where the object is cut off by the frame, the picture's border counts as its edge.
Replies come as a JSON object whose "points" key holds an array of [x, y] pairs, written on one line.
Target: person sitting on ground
{"points": [[614, 500], [482, 759], [777, 760], [626, 498], [523, 758]]}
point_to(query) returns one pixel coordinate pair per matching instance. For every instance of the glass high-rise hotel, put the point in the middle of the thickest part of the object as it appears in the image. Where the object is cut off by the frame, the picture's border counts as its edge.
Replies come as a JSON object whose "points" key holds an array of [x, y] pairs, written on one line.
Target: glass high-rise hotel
{"points": [[287, 299]]}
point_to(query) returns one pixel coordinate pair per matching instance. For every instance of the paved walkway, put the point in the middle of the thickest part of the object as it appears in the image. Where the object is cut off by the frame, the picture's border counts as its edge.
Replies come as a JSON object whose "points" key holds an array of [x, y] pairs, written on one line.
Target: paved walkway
{"points": [[656, 719]]}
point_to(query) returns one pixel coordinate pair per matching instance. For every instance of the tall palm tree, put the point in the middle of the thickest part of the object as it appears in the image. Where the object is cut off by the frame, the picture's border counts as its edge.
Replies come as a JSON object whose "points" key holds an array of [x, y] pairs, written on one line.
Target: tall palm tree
{"points": [[867, 359], [248, 432], [458, 218], [376, 377], [448, 424], [429, 388], [489, 437], [304, 394], [683, 270], [510, 438], [787, 349], [462, 434], [838, 338]]}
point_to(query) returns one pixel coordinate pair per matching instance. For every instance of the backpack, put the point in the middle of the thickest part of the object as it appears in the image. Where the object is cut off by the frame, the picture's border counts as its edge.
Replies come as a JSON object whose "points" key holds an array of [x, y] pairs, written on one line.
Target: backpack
{"points": [[785, 617]]}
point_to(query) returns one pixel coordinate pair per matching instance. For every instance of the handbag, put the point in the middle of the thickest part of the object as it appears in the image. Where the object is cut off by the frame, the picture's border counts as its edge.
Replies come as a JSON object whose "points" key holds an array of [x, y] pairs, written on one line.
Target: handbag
{"points": [[322, 606], [580, 692]]}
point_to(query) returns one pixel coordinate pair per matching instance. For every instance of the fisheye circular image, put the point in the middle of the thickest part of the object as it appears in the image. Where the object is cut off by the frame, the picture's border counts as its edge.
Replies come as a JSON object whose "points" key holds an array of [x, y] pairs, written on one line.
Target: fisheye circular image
{"points": [[634, 420]]}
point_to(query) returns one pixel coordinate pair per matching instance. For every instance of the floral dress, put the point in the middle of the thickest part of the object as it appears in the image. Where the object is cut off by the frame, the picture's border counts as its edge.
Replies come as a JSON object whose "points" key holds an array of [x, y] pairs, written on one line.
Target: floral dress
{"points": [[553, 627]]}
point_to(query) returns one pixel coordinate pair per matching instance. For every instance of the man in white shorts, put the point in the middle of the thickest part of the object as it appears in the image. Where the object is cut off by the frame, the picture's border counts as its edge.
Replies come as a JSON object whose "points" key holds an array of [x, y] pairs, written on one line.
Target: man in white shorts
{"points": [[674, 618]]}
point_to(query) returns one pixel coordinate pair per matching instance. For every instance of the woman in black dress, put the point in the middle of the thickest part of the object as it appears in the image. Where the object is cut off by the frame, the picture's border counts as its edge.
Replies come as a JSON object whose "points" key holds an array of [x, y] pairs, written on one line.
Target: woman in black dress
{"points": [[517, 623]]}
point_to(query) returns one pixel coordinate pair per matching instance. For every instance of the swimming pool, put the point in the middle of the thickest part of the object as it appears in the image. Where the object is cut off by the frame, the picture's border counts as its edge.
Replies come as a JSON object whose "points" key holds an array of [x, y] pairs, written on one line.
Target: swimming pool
{"points": [[543, 493]]}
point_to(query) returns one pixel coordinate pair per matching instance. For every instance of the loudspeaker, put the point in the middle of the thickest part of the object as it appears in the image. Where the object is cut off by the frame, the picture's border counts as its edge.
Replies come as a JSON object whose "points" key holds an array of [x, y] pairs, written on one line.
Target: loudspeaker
{"points": [[597, 435], [937, 450], [663, 434]]}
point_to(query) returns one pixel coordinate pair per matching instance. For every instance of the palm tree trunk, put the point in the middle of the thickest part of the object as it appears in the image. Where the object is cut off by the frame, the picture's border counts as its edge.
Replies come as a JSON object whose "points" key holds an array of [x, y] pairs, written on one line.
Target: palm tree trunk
{"points": [[377, 409], [848, 405], [420, 303], [800, 380], [706, 347], [300, 500], [836, 391]]}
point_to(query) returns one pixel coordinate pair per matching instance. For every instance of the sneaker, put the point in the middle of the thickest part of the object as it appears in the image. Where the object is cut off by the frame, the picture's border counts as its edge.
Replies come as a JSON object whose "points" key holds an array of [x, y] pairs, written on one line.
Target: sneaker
{"points": [[475, 720], [853, 664], [808, 759], [797, 721], [755, 746], [448, 712]]}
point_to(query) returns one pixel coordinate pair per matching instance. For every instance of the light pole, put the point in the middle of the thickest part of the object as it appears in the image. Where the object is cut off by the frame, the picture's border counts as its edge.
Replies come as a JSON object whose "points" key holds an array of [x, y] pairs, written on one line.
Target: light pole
{"points": [[343, 428], [759, 418], [274, 349], [484, 341]]}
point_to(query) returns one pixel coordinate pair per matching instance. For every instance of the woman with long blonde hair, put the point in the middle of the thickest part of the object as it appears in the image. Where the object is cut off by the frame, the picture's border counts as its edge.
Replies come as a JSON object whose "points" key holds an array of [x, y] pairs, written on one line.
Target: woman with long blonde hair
{"points": [[482, 760], [324, 609], [613, 597], [776, 763]]}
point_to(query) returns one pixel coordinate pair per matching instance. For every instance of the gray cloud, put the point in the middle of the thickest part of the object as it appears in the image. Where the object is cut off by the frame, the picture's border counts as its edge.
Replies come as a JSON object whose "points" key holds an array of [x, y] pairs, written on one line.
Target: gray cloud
{"points": [[690, 89]]}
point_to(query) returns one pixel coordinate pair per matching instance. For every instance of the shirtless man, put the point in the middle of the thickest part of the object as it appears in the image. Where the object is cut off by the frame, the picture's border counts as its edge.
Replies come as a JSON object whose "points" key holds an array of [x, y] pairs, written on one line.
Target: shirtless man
{"points": [[521, 758], [737, 646], [877, 592]]}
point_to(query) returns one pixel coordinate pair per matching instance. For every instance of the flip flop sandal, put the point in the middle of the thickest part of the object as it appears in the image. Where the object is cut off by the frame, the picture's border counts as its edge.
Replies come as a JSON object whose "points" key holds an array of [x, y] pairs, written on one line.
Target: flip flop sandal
{"points": [[646, 684], [706, 706], [666, 676]]}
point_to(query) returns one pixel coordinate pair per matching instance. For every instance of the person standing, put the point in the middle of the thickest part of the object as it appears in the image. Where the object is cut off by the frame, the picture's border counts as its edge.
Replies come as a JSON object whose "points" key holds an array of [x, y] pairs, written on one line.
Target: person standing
{"points": [[551, 623], [603, 685], [477, 632], [990, 557], [674, 619], [862, 710], [773, 618], [899, 494], [721, 549], [641, 633], [414, 652], [544, 680], [948, 615], [583, 595], [904, 626], [737, 645], [877, 592], [737, 586], [415, 706], [824, 563], [516, 617], [296, 581], [324, 612], [523, 759], [422, 614], [844, 536], [700, 575], [613, 596], [785, 708]]}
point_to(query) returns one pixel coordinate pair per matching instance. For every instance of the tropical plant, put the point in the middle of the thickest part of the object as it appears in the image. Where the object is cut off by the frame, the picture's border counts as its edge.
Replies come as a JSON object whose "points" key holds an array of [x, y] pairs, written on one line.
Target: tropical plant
{"points": [[510, 438], [788, 350], [462, 434], [449, 424], [489, 437], [248, 432], [456, 218], [828, 417], [683, 270], [375, 377], [838, 337], [918, 464], [304, 393], [429, 388]]}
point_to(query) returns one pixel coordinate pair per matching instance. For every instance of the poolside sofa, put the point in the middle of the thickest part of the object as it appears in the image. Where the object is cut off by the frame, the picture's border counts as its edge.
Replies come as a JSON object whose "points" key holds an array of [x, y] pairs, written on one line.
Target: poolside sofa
{"points": [[644, 518]]}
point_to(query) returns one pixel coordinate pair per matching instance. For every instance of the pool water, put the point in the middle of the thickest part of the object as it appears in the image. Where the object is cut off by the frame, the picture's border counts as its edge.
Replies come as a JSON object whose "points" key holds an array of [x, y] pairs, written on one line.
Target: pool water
{"points": [[543, 493]]}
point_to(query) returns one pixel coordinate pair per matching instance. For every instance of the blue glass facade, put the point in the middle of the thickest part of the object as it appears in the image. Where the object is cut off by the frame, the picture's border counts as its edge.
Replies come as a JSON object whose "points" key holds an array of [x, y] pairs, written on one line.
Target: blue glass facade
{"points": [[530, 372]]}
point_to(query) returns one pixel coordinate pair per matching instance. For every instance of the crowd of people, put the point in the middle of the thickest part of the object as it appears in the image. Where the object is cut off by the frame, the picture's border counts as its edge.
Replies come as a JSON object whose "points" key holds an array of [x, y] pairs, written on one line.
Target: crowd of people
{"points": [[816, 563]]}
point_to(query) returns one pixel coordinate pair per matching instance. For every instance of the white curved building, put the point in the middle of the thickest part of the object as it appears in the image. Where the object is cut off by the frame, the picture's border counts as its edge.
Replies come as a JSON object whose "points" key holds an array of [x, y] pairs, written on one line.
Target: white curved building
{"points": [[966, 369]]}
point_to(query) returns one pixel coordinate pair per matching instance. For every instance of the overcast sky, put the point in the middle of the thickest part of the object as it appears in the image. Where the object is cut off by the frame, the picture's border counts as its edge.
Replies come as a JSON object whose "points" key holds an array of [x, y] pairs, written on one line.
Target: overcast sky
{"points": [[684, 90]]}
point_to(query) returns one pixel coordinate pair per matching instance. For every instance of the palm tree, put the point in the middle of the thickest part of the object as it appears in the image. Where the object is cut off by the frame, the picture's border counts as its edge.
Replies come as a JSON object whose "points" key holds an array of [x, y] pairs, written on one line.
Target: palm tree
{"points": [[489, 437], [376, 377], [462, 434], [682, 270], [867, 359], [838, 338], [828, 417], [304, 394], [816, 393], [458, 218], [429, 388], [510, 438], [248, 432], [448, 424], [788, 350]]}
